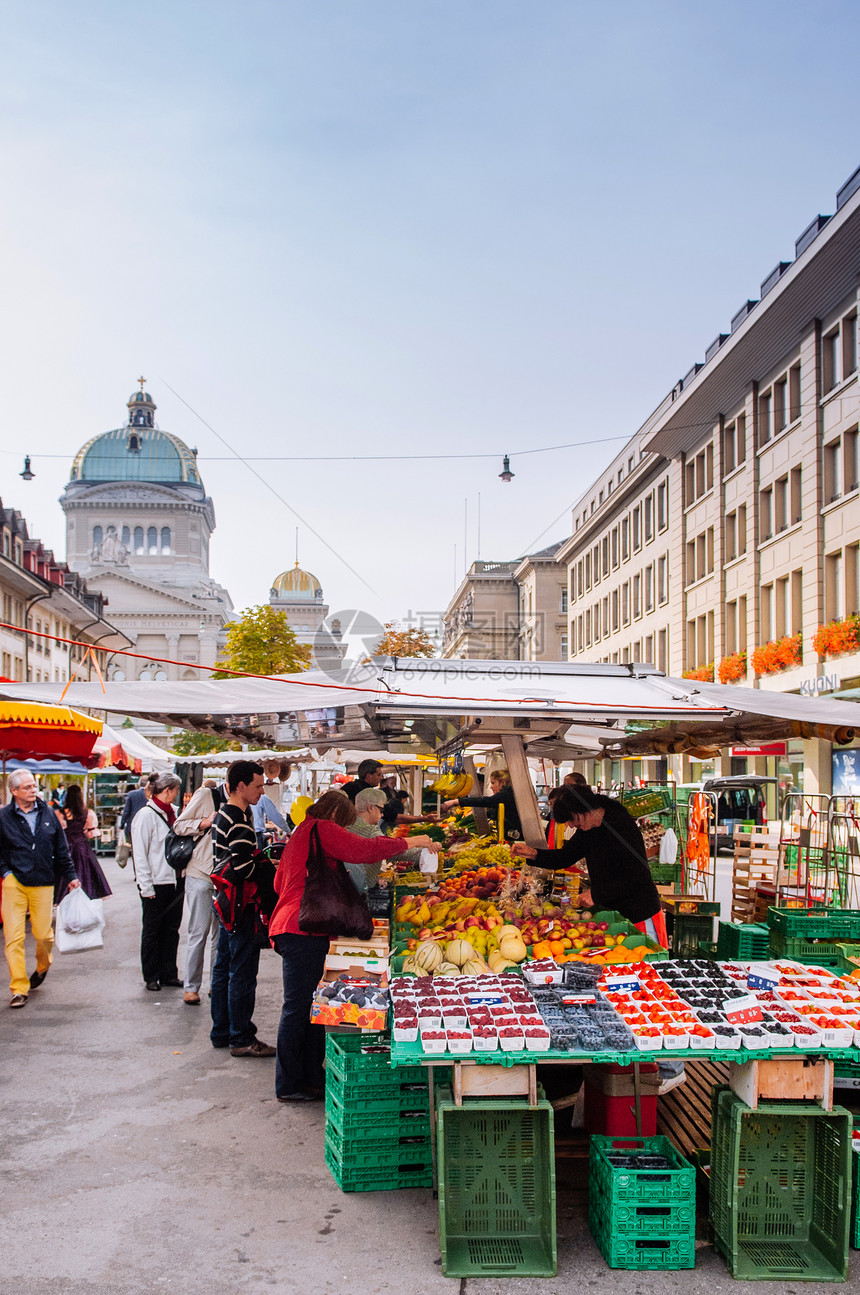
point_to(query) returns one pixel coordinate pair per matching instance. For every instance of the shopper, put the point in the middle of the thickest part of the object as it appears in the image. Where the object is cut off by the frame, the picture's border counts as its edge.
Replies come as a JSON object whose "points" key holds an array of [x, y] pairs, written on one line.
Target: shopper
{"points": [[33, 855], [396, 811], [81, 826], [501, 794], [196, 820], [161, 887], [368, 774], [369, 809], [234, 979], [299, 1075], [265, 811]]}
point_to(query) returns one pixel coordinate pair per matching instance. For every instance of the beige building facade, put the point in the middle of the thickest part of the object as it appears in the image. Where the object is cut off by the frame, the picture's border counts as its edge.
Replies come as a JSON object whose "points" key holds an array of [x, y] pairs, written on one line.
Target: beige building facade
{"points": [[509, 611]]}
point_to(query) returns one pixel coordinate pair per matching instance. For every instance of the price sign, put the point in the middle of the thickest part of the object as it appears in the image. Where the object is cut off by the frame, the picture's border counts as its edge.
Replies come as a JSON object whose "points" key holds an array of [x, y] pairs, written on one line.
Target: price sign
{"points": [[486, 997], [621, 984], [742, 1011], [578, 999]]}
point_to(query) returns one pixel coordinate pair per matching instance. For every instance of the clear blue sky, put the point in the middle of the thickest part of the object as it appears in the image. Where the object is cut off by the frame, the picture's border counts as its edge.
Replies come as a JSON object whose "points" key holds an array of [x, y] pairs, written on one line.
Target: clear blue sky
{"points": [[341, 227]]}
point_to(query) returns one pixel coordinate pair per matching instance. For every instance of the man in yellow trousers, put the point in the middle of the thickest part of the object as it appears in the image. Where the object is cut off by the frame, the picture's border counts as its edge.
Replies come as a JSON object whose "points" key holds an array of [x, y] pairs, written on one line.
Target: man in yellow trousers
{"points": [[33, 856]]}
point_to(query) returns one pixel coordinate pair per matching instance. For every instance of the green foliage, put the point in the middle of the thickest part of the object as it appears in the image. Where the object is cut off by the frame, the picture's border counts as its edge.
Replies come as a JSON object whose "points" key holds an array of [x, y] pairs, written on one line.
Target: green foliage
{"points": [[188, 743], [404, 643], [260, 641]]}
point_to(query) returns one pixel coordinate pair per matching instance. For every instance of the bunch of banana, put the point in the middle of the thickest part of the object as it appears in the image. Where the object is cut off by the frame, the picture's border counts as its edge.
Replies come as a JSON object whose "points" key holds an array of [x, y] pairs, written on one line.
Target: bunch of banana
{"points": [[452, 785]]}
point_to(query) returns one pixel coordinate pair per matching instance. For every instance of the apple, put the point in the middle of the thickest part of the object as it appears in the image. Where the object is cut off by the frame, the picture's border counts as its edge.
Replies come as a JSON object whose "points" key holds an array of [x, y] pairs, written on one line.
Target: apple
{"points": [[471, 922]]}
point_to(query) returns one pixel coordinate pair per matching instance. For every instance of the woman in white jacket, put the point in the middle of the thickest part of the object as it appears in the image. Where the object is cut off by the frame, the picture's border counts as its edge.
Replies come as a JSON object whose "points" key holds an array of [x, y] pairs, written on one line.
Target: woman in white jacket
{"points": [[161, 888]]}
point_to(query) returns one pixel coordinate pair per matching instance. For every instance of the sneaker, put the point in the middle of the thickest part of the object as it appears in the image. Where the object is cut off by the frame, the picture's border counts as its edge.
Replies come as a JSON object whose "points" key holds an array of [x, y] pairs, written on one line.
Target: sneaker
{"points": [[670, 1082], [18, 1000], [255, 1049], [37, 978]]}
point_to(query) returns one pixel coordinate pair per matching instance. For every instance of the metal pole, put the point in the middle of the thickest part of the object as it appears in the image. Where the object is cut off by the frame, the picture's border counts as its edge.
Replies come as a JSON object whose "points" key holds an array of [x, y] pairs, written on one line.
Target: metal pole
{"points": [[524, 793]]}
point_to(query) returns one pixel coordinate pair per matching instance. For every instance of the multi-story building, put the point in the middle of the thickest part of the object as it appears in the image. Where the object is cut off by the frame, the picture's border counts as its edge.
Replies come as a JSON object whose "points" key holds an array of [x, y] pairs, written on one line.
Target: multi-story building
{"points": [[509, 611], [728, 530], [43, 595]]}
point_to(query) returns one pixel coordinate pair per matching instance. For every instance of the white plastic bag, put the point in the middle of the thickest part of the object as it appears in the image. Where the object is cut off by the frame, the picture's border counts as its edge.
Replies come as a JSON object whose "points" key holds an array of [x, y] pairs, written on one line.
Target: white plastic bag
{"points": [[78, 912], [428, 861], [69, 941], [669, 847]]}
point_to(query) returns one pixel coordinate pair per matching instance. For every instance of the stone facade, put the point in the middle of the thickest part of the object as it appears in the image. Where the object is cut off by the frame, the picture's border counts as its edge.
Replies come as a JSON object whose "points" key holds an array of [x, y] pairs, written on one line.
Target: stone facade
{"points": [[509, 611], [299, 595], [138, 525]]}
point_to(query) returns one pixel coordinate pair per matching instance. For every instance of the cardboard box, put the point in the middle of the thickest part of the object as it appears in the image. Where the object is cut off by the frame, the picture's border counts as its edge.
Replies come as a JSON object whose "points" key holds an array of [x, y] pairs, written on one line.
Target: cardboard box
{"points": [[326, 1012]]}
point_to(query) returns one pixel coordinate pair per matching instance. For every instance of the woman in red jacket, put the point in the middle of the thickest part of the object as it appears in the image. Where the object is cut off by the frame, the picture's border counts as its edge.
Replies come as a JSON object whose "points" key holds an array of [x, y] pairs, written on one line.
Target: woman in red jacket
{"points": [[299, 1075]]}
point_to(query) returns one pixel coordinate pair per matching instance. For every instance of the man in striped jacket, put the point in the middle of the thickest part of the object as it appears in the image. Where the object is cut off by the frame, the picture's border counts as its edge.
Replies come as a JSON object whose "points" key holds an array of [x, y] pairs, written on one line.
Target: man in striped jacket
{"points": [[234, 978]]}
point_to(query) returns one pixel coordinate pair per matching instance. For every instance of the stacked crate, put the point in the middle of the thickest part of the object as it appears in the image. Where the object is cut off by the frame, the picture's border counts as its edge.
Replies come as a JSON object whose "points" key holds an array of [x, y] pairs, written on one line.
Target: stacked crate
{"points": [[496, 1160], [742, 941], [689, 921], [377, 1129], [781, 1188], [642, 1203], [812, 935], [756, 863]]}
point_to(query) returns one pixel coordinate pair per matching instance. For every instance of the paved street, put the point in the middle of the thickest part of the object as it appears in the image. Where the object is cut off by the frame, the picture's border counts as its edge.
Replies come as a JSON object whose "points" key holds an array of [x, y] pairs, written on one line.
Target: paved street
{"points": [[137, 1159]]}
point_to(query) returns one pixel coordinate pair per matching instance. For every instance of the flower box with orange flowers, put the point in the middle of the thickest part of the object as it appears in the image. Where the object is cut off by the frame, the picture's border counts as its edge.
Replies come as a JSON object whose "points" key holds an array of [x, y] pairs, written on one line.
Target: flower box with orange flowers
{"points": [[702, 673], [838, 637], [778, 654], [732, 668]]}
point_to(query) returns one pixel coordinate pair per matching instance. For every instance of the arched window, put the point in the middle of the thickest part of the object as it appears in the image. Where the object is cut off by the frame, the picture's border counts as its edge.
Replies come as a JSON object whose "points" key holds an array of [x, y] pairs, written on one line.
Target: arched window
{"points": [[118, 676], [145, 676], [138, 539], [165, 539], [151, 540], [98, 535], [161, 674], [126, 537]]}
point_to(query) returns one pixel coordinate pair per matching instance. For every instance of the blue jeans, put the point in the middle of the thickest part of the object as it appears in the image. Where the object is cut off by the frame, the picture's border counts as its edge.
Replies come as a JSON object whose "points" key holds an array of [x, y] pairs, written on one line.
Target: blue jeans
{"points": [[234, 985], [301, 1046]]}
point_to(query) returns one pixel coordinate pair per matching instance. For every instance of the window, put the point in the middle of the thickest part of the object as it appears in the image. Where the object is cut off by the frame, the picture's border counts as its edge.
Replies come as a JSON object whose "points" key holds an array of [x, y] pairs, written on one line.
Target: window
{"points": [[782, 606], [709, 466], [742, 529], [796, 602], [606, 629], [830, 360], [709, 548], [649, 518], [699, 474], [588, 571], [796, 495], [595, 563], [98, 535], [637, 596], [765, 418], [604, 553], [615, 620], [663, 579], [729, 447], [780, 405], [165, 539], [834, 603], [563, 649], [849, 345], [700, 556], [850, 462], [731, 536], [630, 464], [766, 613], [625, 603], [600, 498], [852, 579], [780, 504], [637, 528], [615, 547], [625, 539], [662, 505], [731, 628], [691, 562], [765, 513], [794, 393], [126, 540], [152, 540], [649, 591], [579, 585], [832, 472], [138, 539]]}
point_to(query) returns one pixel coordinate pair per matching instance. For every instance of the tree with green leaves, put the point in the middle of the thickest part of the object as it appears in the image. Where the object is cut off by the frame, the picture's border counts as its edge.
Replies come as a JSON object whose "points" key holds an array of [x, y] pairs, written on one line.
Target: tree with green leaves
{"points": [[261, 641], [190, 743]]}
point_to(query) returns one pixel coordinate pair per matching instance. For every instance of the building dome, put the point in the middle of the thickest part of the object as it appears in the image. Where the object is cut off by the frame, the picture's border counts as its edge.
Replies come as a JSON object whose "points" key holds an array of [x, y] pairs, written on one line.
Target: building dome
{"points": [[137, 452], [297, 585]]}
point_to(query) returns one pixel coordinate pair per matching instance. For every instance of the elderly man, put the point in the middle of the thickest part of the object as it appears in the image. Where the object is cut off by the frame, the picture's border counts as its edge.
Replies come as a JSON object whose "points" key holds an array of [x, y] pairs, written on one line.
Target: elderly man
{"points": [[33, 857], [368, 805]]}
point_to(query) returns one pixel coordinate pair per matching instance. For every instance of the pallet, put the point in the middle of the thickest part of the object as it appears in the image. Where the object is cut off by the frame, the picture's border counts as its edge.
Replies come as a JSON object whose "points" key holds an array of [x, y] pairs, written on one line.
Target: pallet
{"points": [[756, 862], [684, 1114]]}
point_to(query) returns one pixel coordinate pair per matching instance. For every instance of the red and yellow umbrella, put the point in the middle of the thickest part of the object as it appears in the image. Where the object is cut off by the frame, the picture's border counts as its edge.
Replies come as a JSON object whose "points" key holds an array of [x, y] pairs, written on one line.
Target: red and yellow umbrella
{"points": [[29, 731]]}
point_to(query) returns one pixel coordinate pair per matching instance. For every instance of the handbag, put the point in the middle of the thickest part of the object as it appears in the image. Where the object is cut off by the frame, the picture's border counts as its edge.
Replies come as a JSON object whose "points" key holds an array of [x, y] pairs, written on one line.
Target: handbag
{"points": [[331, 905], [179, 849]]}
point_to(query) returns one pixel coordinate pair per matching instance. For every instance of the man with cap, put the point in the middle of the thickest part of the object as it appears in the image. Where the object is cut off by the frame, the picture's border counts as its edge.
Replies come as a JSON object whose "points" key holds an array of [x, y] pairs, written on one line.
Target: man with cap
{"points": [[368, 805], [369, 774]]}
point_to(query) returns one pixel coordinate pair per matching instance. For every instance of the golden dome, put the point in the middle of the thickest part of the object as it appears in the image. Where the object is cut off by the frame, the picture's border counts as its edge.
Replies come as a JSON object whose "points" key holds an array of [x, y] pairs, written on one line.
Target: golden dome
{"points": [[297, 585]]}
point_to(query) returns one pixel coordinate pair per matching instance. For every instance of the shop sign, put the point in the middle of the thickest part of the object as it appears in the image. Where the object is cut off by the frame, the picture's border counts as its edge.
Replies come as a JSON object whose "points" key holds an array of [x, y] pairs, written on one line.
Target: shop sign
{"points": [[765, 748], [821, 683]]}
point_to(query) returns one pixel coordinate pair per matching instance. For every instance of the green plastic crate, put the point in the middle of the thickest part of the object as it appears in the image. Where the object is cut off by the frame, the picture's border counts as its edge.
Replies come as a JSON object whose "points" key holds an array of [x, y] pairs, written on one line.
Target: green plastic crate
{"points": [[816, 923], [746, 942], [496, 1177], [350, 1120], [383, 1153], [394, 1095], [364, 1061], [376, 1179], [616, 1186], [667, 874], [855, 1209], [665, 1252], [642, 1220], [818, 953], [846, 953], [688, 930], [781, 1189], [848, 1072]]}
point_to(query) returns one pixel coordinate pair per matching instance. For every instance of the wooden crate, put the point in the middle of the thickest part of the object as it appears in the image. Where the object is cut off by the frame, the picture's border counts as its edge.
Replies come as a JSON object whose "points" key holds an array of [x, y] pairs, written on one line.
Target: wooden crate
{"points": [[787, 1079], [755, 863]]}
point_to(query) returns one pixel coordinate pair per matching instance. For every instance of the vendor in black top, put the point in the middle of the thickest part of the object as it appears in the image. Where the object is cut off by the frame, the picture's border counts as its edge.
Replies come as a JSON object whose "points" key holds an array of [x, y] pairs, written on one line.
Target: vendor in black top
{"points": [[502, 794], [609, 841]]}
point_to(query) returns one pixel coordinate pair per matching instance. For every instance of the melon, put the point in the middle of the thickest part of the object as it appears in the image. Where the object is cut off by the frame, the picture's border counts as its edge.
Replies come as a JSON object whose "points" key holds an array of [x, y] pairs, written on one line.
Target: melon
{"points": [[474, 967], [427, 956], [447, 969], [459, 952]]}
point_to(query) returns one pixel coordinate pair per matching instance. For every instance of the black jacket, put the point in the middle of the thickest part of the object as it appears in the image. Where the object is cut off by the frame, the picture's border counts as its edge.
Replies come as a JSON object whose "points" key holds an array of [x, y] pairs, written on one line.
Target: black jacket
{"points": [[617, 863], [505, 797], [134, 802], [37, 858]]}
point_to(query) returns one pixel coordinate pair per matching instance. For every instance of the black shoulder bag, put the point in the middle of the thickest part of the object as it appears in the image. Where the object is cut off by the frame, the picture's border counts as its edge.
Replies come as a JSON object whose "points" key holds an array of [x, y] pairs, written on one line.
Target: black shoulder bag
{"points": [[331, 905]]}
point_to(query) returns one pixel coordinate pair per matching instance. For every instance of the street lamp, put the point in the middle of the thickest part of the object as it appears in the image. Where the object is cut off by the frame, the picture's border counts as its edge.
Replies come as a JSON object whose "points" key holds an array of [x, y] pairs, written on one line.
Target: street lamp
{"points": [[506, 475], [27, 474]]}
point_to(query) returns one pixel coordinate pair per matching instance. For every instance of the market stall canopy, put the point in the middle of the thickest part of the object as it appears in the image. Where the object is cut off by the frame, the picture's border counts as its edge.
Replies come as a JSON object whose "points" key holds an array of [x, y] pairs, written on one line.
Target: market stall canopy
{"points": [[30, 730], [125, 748], [221, 759], [418, 705]]}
